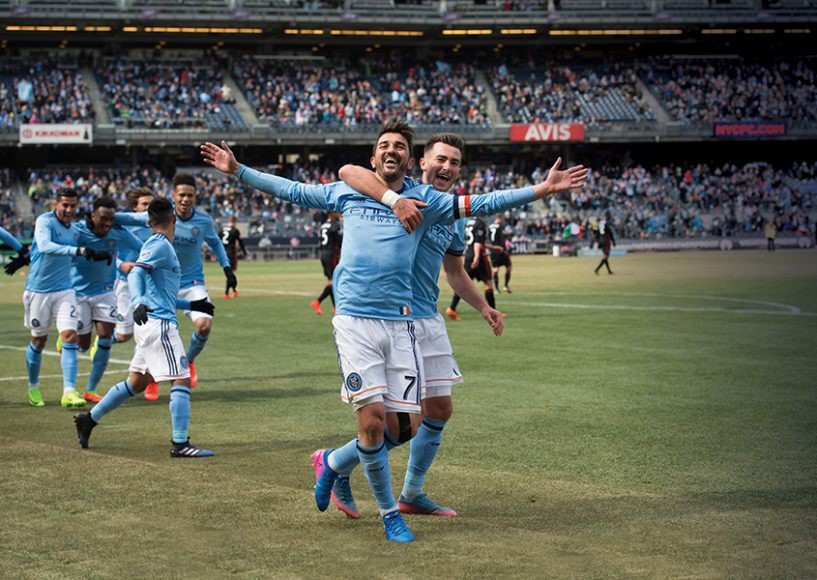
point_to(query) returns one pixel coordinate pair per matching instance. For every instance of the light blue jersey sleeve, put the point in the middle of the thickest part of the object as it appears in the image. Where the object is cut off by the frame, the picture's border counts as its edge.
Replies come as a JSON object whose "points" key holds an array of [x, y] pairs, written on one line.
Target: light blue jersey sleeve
{"points": [[129, 218], [311, 196], [10, 240], [128, 242], [211, 239], [44, 241], [447, 208]]}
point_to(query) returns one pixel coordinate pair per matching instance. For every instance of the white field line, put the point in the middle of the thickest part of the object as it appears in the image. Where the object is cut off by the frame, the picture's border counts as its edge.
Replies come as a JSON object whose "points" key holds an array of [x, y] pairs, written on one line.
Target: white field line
{"points": [[274, 292], [794, 312], [25, 378], [115, 361]]}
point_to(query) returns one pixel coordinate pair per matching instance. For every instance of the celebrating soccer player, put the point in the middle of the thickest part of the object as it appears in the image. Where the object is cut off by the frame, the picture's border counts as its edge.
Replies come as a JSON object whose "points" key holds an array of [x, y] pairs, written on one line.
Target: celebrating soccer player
{"points": [[159, 354]]}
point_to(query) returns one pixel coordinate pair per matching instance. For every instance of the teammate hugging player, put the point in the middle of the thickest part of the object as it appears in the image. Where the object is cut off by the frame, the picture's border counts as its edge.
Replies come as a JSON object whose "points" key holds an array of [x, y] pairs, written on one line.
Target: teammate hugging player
{"points": [[159, 354], [373, 328], [93, 282]]}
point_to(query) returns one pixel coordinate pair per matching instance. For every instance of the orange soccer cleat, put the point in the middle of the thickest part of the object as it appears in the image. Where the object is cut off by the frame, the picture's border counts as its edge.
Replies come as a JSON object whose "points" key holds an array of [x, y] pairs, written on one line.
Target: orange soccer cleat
{"points": [[91, 397], [452, 314], [316, 306], [194, 376], [152, 392]]}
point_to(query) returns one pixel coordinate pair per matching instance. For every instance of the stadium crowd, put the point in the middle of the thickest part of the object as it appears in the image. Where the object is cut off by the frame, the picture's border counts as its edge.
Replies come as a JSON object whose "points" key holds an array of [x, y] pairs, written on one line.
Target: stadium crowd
{"points": [[706, 92], [43, 89], [165, 95], [346, 94], [665, 201]]}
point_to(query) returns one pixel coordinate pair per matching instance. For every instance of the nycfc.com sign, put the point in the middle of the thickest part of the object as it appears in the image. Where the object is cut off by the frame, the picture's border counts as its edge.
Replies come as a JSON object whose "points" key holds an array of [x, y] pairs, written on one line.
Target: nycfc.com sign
{"points": [[56, 134], [547, 132]]}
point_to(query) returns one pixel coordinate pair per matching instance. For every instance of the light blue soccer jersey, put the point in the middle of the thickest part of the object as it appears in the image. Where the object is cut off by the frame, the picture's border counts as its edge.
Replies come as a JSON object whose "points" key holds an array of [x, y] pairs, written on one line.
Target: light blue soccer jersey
{"points": [[89, 277], [374, 276], [54, 246], [190, 234], [10, 240], [142, 233], [440, 239], [157, 289]]}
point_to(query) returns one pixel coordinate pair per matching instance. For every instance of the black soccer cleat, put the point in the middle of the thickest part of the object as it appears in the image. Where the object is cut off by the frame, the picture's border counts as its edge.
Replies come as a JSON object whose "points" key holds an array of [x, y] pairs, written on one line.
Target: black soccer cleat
{"points": [[85, 424], [187, 450]]}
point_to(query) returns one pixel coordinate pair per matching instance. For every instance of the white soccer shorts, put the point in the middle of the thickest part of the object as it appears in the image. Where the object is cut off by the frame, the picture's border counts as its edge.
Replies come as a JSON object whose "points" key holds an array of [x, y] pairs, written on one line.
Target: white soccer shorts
{"points": [[100, 308], [43, 307], [440, 370], [194, 293], [124, 309], [159, 351], [379, 363]]}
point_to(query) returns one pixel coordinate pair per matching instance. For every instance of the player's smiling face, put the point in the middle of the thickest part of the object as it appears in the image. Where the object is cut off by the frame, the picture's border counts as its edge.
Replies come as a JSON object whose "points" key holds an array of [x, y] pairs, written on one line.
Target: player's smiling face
{"points": [[102, 219], [441, 166], [392, 158], [185, 198], [66, 209], [142, 203]]}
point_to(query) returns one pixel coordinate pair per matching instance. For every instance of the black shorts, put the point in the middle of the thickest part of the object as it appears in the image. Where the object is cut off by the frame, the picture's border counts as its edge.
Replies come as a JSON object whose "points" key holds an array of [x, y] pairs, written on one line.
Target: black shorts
{"points": [[481, 273], [329, 260], [501, 259]]}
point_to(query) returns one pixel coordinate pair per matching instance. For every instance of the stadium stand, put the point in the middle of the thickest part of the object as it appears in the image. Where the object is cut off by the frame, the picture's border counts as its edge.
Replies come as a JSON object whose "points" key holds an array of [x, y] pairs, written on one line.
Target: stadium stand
{"points": [[706, 91], [43, 89], [168, 95]]}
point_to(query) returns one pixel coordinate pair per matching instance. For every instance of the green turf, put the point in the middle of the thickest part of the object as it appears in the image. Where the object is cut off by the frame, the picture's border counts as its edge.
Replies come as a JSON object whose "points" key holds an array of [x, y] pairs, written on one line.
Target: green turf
{"points": [[659, 423]]}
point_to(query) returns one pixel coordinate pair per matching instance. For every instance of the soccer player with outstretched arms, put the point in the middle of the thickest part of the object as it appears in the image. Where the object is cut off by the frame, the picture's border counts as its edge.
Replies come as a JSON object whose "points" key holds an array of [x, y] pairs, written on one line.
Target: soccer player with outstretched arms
{"points": [[373, 288]]}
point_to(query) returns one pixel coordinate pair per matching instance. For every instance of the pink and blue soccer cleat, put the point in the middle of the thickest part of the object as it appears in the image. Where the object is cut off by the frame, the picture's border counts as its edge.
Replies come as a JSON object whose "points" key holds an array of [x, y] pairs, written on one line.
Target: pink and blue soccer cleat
{"points": [[342, 497], [324, 478], [422, 505]]}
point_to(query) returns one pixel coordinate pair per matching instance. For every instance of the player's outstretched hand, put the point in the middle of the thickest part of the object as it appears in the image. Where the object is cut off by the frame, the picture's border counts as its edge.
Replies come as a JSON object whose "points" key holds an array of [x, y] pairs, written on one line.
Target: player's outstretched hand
{"points": [[102, 257], [222, 158], [21, 259], [202, 305], [140, 314], [494, 319], [232, 281], [408, 212], [562, 180]]}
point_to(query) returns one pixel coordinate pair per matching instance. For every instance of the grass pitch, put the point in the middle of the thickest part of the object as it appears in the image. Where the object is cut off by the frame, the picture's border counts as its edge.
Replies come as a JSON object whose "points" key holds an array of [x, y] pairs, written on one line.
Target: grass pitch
{"points": [[659, 423]]}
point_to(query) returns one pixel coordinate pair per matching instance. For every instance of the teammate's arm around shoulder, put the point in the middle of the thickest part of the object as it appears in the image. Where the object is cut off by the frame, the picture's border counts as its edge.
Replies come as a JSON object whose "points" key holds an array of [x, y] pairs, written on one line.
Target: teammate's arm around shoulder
{"points": [[369, 183]]}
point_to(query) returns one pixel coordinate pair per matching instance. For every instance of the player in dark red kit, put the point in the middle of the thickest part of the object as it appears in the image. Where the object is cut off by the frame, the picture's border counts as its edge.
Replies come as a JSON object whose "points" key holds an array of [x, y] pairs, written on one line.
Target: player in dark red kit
{"points": [[606, 240], [476, 264], [500, 252], [232, 242], [331, 238]]}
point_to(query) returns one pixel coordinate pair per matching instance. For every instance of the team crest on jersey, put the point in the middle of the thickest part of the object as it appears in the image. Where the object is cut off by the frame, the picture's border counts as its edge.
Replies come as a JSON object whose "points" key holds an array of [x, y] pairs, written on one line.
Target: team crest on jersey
{"points": [[145, 255], [195, 232], [183, 362], [354, 382], [35, 323]]}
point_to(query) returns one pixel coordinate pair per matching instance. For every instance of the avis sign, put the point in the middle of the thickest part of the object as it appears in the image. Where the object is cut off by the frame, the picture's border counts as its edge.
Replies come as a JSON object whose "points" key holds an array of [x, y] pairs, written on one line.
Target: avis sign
{"points": [[547, 132], [56, 134]]}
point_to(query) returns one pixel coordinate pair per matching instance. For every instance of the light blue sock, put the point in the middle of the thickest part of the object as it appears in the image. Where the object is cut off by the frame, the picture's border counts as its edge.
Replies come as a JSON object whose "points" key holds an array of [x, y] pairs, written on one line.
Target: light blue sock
{"points": [[100, 363], [424, 447], [375, 462], [180, 412], [344, 459], [34, 359], [197, 343], [69, 366], [117, 395]]}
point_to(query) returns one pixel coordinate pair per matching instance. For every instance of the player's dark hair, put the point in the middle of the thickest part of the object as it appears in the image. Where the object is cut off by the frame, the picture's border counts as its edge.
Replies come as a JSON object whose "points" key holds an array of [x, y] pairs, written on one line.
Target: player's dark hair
{"points": [[134, 194], [395, 126], [67, 192], [184, 179], [446, 139], [160, 212], [104, 202]]}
